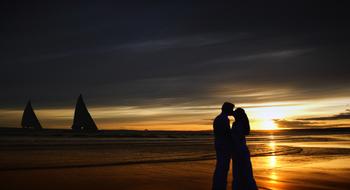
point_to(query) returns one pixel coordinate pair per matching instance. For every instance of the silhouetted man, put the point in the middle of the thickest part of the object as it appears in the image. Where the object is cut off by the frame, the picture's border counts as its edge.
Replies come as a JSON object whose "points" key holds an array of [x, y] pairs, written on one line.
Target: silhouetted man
{"points": [[223, 143]]}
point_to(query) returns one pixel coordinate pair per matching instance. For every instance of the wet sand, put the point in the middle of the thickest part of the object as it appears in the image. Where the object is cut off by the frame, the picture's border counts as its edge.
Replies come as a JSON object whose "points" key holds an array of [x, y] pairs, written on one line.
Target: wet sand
{"points": [[174, 176], [280, 162]]}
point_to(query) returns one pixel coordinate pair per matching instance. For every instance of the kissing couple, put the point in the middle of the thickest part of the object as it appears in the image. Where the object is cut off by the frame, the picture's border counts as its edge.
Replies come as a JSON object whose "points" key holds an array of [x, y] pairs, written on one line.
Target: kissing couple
{"points": [[230, 144]]}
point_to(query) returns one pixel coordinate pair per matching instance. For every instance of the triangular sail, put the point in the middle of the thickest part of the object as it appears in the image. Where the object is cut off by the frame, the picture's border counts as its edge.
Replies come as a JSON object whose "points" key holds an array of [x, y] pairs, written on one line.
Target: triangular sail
{"points": [[82, 118], [29, 119]]}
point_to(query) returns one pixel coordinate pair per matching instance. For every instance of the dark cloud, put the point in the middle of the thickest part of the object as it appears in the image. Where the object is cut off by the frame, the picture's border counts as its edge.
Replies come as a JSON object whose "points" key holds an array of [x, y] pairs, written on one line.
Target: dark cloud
{"points": [[297, 124], [171, 53], [293, 124], [312, 122], [345, 115]]}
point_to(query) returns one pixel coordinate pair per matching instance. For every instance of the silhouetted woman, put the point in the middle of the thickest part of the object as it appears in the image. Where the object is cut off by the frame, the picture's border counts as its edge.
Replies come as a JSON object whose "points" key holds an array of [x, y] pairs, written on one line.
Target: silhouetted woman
{"points": [[242, 171]]}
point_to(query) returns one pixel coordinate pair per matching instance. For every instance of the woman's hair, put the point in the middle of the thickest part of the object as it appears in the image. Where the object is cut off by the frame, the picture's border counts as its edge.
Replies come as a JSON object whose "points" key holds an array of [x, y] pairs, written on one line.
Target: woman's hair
{"points": [[242, 118]]}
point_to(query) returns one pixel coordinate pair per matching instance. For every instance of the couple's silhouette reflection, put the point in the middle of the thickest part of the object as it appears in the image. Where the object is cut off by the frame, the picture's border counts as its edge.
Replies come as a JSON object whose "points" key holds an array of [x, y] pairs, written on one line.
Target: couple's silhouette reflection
{"points": [[230, 144]]}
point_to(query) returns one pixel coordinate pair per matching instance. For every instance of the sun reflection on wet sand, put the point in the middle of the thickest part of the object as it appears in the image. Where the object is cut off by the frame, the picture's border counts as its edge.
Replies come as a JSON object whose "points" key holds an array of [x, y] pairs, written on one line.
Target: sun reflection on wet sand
{"points": [[273, 176], [272, 161]]}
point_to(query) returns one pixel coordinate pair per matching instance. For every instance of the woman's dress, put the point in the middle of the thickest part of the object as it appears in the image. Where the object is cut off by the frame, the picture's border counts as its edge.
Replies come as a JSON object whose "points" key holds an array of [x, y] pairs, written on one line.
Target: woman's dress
{"points": [[242, 171]]}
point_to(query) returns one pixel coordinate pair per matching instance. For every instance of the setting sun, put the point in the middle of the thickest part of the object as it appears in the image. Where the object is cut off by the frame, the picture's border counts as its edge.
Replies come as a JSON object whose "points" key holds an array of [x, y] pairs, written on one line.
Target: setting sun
{"points": [[263, 117], [268, 125]]}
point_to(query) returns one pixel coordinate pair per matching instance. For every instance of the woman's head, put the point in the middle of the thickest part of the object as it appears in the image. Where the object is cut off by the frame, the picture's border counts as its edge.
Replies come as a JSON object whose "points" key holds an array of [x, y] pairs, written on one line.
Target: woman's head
{"points": [[242, 118], [239, 114]]}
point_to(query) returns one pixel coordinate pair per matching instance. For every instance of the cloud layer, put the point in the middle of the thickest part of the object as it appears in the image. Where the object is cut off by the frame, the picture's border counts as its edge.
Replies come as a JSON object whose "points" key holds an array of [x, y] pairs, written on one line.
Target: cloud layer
{"points": [[172, 54]]}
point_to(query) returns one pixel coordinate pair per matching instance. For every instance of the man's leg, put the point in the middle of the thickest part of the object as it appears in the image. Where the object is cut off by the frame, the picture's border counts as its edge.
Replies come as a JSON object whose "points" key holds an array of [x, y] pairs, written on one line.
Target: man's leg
{"points": [[222, 167], [235, 174]]}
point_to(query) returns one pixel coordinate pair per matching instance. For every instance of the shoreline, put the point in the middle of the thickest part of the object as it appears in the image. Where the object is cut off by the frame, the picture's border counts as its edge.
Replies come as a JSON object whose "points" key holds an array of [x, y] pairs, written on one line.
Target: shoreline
{"points": [[280, 162]]}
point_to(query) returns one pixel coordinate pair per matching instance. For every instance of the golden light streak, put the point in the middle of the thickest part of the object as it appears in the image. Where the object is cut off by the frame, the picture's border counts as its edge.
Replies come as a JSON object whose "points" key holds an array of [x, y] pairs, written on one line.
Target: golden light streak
{"points": [[272, 160], [181, 117]]}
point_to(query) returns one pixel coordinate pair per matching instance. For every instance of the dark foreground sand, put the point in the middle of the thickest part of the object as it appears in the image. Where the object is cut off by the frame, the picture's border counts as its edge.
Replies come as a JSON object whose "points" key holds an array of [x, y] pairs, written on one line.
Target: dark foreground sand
{"points": [[174, 176]]}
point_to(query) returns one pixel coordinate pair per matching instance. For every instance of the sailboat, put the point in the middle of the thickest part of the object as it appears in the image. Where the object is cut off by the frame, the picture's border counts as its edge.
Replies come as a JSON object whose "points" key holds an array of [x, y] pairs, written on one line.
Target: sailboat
{"points": [[82, 119], [29, 119]]}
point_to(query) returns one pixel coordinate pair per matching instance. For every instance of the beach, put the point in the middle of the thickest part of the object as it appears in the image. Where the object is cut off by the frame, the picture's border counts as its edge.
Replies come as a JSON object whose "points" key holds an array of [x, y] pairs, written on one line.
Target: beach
{"points": [[286, 160], [159, 95]]}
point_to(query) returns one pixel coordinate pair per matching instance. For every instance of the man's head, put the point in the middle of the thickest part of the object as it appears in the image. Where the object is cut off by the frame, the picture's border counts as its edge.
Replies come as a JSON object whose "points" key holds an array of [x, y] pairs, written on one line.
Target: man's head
{"points": [[227, 108]]}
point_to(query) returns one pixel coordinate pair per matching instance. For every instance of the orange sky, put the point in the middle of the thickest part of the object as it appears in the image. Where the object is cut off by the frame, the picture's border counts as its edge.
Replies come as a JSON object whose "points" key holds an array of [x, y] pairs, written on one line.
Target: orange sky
{"points": [[263, 115]]}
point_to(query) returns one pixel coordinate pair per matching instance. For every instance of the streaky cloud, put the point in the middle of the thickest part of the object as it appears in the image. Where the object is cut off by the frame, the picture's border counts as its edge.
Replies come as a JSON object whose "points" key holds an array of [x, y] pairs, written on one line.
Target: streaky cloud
{"points": [[340, 116]]}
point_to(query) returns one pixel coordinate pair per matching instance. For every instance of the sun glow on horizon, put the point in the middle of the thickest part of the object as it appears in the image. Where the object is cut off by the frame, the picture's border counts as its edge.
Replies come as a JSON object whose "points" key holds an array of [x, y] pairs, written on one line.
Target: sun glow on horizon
{"points": [[262, 115], [268, 125]]}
